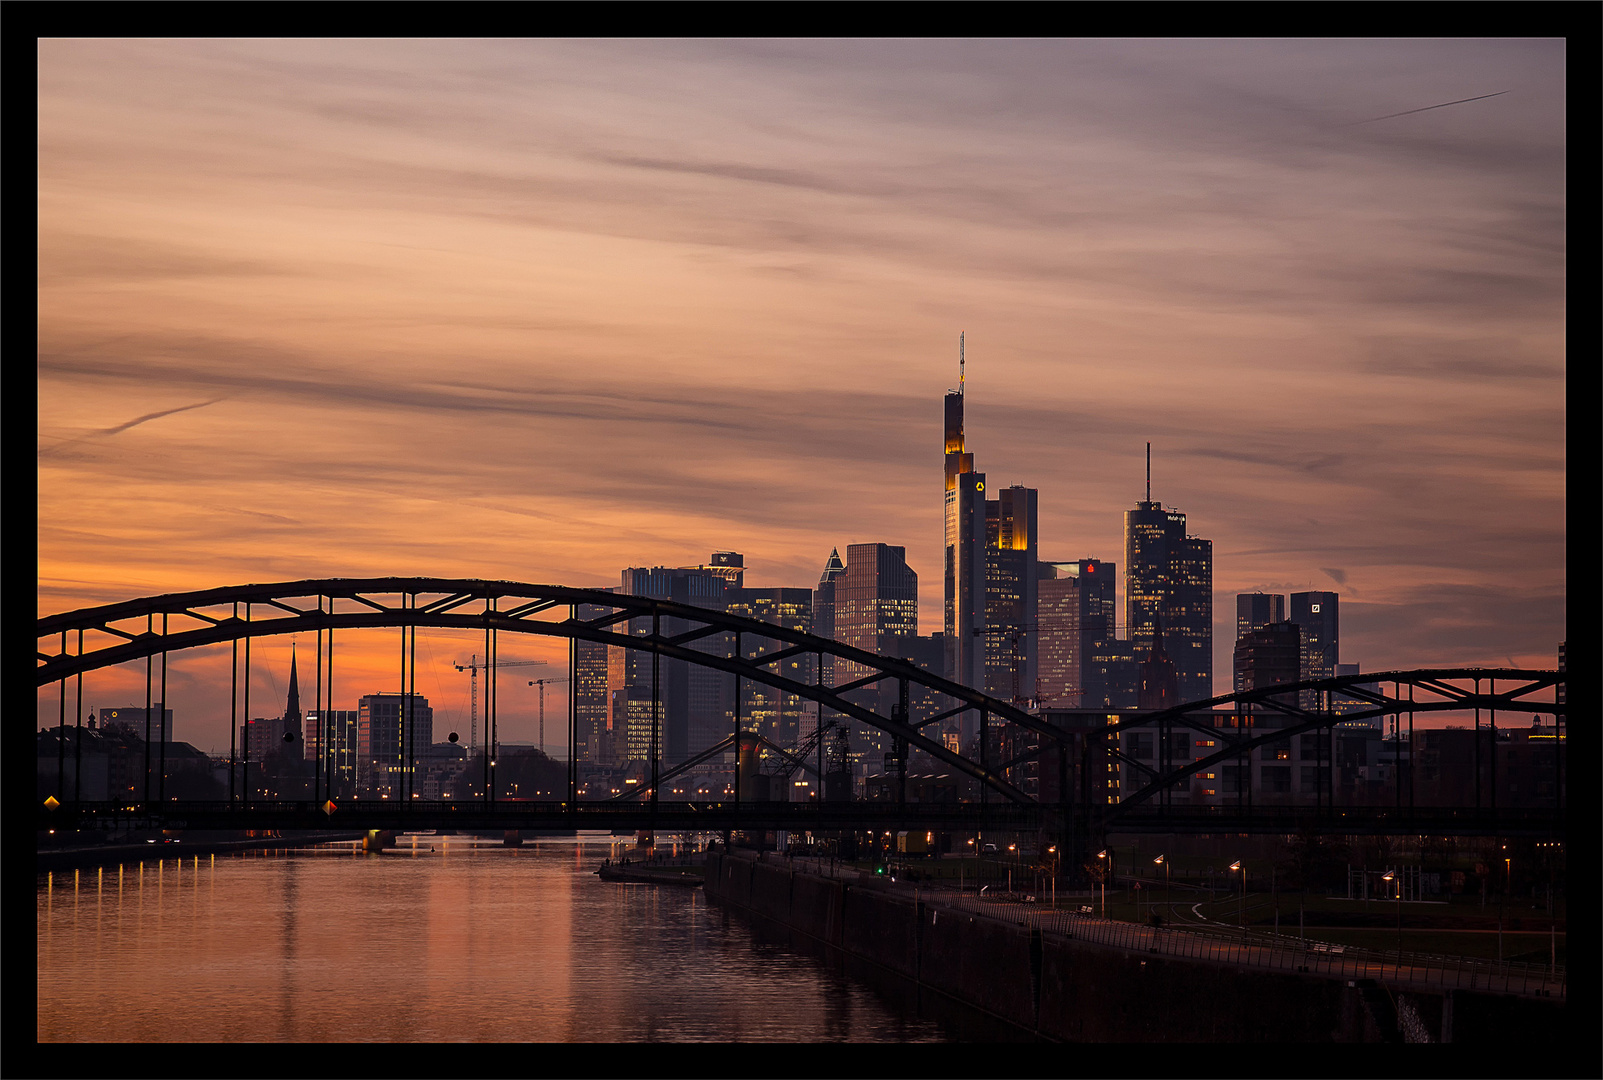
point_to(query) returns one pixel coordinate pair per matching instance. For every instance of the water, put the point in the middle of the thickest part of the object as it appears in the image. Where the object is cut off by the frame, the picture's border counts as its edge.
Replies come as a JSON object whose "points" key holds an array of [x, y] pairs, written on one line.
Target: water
{"points": [[440, 939]]}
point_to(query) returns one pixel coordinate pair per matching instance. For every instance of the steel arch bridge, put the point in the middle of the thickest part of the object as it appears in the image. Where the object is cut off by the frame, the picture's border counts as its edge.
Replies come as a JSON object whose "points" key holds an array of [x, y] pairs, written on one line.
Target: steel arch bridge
{"points": [[74, 643]]}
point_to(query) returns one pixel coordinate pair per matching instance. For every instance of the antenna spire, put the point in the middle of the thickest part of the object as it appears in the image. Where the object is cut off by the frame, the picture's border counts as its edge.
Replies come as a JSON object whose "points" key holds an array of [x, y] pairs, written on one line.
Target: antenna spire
{"points": [[960, 361], [1149, 472]]}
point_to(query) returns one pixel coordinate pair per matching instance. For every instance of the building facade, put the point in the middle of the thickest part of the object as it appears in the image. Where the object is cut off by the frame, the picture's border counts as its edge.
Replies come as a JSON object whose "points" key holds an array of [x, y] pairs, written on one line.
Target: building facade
{"points": [[392, 731], [1317, 614], [1168, 572]]}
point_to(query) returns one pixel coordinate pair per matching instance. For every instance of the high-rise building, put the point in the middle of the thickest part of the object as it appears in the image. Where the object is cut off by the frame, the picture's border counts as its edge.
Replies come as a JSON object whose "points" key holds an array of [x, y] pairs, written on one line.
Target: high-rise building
{"points": [[694, 702], [1256, 610], [1316, 614], [593, 741], [392, 730], [772, 713], [824, 608], [1166, 570], [965, 555], [1011, 636], [876, 610], [1268, 656], [1075, 617]]}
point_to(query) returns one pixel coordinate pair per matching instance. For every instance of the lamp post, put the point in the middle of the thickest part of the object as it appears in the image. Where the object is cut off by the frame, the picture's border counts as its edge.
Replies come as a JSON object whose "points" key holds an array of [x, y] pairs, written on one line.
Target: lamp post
{"points": [[1103, 854], [1161, 861], [1392, 876], [1242, 910], [1053, 851]]}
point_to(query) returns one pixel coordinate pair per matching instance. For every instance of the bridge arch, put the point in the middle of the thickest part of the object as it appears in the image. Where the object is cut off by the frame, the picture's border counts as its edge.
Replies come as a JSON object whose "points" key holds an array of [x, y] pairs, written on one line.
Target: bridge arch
{"points": [[76, 642]]}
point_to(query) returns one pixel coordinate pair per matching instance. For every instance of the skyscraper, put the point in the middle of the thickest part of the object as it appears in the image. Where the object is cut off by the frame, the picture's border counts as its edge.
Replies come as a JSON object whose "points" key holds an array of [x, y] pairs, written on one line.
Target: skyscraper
{"points": [[1011, 637], [965, 555], [1256, 610], [876, 610], [824, 608], [1316, 614], [1167, 570], [1075, 617], [694, 702]]}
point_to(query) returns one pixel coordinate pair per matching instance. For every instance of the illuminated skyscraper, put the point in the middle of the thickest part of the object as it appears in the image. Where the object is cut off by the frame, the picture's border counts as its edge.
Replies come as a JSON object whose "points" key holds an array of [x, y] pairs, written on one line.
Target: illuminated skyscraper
{"points": [[1011, 637], [1169, 571], [1075, 616], [876, 610], [824, 608], [965, 555]]}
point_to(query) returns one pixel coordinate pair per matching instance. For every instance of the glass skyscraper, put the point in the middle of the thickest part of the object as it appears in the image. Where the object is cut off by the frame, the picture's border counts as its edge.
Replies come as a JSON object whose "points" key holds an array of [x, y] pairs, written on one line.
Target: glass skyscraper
{"points": [[1169, 571]]}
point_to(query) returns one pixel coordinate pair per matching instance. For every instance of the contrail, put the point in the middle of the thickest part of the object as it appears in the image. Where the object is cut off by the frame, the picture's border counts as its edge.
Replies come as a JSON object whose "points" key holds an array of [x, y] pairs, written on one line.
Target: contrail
{"points": [[135, 422], [1427, 108]]}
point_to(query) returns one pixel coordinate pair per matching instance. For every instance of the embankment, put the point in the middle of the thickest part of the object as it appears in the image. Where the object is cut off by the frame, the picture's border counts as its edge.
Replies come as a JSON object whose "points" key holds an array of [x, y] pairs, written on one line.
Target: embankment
{"points": [[996, 979]]}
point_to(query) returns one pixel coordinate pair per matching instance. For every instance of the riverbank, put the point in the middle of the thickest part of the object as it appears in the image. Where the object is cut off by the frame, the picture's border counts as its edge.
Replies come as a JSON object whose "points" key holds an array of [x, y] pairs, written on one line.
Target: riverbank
{"points": [[1096, 980]]}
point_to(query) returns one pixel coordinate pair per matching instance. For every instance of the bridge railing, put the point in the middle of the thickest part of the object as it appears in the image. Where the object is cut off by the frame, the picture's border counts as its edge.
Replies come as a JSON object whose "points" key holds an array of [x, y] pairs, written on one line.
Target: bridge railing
{"points": [[1279, 952]]}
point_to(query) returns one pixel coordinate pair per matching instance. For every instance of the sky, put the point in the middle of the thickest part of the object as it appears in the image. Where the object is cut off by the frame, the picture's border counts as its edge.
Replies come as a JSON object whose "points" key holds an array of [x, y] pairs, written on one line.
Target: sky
{"points": [[541, 310]]}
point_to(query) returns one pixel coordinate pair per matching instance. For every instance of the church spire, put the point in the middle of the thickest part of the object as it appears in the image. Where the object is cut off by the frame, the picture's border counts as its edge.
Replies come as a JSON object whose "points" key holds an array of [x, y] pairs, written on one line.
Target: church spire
{"points": [[292, 710]]}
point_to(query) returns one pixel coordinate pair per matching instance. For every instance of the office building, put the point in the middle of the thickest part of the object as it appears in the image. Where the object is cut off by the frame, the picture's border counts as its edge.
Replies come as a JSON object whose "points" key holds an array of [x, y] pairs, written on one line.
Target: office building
{"points": [[1257, 610], [1169, 571], [592, 742], [1011, 635], [876, 610], [392, 730], [772, 713], [1269, 656], [965, 520], [1075, 605], [1316, 613], [824, 608], [340, 763], [695, 704]]}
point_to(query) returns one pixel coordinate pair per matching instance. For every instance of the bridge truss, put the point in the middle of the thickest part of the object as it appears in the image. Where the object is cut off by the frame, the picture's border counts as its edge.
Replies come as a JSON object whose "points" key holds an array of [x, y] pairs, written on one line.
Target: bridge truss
{"points": [[1070, 743]]}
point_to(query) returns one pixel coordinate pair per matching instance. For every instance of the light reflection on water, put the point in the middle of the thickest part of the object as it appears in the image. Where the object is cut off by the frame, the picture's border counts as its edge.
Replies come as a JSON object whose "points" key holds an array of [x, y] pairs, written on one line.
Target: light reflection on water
{"points": [[440, 939]]}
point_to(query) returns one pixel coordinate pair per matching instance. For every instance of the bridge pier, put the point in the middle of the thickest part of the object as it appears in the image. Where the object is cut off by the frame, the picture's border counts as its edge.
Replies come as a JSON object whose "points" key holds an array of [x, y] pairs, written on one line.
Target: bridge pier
{"points": [[513, 838], [378, 839]]}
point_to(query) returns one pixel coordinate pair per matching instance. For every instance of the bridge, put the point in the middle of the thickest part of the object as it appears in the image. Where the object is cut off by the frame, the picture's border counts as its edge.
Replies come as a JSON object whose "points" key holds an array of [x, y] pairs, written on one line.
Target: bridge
{"points": [[1066, 753]]}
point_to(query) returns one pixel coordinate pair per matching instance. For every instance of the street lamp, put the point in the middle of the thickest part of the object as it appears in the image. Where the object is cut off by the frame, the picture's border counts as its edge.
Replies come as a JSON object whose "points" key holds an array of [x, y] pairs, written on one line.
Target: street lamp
{"points": [[1103, 854], [1053, 851], [1161, 861], [1243, 909], [1389, 876]]}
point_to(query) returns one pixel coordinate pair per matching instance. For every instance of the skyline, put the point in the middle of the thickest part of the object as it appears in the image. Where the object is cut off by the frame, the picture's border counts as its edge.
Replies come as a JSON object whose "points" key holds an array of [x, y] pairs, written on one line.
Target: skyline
{"points": [[545, 310]]}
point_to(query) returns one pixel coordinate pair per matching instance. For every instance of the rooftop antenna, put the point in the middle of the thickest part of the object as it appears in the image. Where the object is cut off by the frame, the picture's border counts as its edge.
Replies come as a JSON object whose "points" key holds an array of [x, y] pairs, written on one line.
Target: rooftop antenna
{"points": [[960, 362], [1149, 472]]}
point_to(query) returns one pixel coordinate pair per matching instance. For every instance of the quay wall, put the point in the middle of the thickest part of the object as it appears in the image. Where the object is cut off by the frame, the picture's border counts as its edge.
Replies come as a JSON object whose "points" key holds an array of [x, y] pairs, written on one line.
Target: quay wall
{"points": [[1021, 982]]}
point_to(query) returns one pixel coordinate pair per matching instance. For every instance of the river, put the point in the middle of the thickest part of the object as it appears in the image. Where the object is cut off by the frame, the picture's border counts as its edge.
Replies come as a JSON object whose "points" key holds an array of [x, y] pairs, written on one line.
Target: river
{"points": [[440, 939]]}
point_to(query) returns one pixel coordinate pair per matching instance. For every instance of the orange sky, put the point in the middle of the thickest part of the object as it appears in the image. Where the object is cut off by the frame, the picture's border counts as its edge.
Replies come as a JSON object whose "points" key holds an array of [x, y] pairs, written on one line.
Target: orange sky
{"points": [[542, 310]]}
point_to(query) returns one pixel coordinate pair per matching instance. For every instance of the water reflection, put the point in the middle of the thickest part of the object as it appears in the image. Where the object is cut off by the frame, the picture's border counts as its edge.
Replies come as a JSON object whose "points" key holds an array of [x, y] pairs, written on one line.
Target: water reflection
{"points": [[455, 939]]}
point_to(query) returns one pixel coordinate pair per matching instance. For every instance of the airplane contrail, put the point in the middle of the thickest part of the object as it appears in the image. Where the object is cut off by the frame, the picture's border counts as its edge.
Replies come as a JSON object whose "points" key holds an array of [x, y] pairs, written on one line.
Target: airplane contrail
{"points": [[119, 428], [1427, 108]]}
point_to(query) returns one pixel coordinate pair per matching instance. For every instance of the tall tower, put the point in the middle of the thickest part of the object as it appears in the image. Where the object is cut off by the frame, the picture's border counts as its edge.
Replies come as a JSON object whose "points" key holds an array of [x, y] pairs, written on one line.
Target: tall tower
{"points": [[965, 553], [1011, 634], [1316, 613], [1169, 571]]}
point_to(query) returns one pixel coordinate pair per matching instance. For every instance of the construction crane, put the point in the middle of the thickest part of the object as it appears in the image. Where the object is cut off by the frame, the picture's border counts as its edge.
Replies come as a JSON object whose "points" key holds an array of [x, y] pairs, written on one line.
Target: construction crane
{"points": [[473, 666], [541, 683]]}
